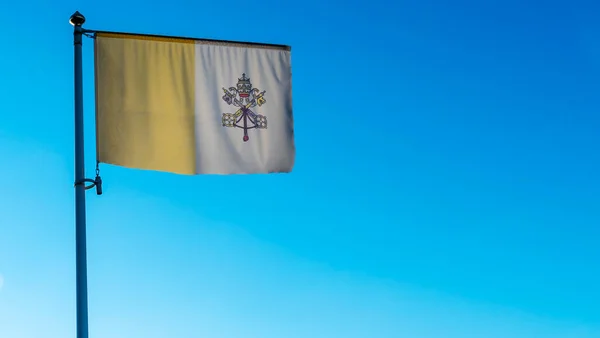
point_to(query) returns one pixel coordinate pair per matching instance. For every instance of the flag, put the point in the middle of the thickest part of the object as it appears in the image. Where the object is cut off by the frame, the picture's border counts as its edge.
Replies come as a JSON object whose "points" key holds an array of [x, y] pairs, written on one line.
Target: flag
{"points": [[192, 106]]}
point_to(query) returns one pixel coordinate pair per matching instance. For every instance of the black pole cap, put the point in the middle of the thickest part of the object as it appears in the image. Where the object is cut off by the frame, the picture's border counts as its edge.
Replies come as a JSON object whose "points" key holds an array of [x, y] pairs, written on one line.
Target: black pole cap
{"points": [[77, 19]]}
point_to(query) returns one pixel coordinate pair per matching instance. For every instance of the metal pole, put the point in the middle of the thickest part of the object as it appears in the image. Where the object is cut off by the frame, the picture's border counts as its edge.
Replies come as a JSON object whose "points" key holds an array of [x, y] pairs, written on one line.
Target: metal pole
{"points": [[77, 20]]}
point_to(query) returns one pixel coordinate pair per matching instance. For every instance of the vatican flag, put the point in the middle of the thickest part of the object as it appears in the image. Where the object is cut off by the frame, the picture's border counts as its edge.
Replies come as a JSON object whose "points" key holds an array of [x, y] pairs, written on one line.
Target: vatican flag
{"points": [[192, 106]]}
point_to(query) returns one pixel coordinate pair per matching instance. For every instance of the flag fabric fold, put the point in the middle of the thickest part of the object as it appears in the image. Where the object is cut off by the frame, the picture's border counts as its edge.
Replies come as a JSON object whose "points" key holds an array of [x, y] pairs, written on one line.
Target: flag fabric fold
{"points": [[192, 106]]}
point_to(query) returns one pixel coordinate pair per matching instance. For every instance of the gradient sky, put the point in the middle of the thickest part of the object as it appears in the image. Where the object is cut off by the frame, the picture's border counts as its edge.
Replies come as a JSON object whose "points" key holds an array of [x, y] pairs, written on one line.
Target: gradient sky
{"points": [[446, 181]]}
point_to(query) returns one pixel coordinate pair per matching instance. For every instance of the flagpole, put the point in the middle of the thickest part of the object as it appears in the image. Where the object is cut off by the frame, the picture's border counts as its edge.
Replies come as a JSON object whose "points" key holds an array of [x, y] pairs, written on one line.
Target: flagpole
{"points": [[77, 20]]}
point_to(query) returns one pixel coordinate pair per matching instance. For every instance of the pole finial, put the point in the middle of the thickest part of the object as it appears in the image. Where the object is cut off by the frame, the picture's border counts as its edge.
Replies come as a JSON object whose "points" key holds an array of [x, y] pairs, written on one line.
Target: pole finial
{"points": [[77, 19]]}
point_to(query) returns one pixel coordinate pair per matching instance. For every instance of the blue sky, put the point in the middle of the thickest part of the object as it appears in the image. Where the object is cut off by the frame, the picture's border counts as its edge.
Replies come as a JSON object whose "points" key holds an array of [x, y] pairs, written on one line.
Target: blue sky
{"points": [[446, 180]]}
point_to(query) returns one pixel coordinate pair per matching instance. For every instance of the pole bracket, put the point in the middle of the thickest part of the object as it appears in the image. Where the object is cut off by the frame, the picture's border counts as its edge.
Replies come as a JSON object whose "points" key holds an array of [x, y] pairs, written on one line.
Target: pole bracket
{"points": [[97, 183], [89, 33]]}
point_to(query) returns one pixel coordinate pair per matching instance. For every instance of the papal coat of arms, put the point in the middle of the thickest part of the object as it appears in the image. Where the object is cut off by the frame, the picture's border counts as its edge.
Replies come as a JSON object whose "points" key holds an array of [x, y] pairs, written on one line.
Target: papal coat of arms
{"points": [[245, 97]]}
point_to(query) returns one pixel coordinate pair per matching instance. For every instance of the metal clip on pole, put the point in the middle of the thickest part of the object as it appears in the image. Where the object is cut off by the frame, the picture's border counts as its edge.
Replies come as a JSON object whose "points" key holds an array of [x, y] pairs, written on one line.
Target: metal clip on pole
{"points": [[94, 183]]}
